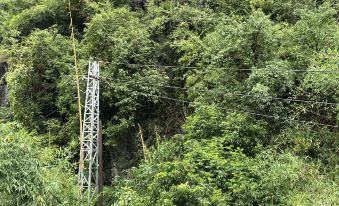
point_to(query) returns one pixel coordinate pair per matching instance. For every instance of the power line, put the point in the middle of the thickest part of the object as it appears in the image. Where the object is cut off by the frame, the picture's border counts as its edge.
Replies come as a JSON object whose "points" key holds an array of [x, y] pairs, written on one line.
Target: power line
{"points": [[51, 94], [239, 94], [251, 113], [249, 95], [245, 95], [56, 91], [222, 68]]}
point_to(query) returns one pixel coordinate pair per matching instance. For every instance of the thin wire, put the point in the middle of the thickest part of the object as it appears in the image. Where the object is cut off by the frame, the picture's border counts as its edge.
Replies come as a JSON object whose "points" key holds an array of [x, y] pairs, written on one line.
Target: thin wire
{"points": [[67, 81], [81, 161], [54, 111], [235, 69], [239, 94], [56, 91], [249, 95], [251, 113], [43, 90], [256, 114], [242, 94]]}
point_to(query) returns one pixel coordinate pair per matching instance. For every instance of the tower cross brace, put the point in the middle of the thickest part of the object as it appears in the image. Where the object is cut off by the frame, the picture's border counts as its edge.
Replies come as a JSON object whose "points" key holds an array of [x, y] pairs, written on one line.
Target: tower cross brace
{"points": [[88, 175]]}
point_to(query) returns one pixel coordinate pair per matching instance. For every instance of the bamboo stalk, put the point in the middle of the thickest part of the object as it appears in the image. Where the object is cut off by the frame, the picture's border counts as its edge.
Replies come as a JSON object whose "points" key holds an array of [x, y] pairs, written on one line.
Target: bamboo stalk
{"points": [[157, 137], [81, 161], [144, 149]]}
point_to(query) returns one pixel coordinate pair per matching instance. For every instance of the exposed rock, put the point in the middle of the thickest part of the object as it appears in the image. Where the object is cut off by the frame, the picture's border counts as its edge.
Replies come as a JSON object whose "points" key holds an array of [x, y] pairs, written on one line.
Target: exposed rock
{"points": [[3, 85]]}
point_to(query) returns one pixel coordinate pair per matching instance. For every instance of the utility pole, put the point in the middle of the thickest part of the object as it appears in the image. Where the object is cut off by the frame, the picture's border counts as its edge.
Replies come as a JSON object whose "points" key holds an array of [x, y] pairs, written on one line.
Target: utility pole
{"points": [[88, 176]]}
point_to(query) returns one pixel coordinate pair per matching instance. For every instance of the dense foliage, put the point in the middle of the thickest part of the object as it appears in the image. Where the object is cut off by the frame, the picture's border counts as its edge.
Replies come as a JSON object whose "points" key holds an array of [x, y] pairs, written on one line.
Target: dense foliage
{"points": [[31, 174], [237, 101]]}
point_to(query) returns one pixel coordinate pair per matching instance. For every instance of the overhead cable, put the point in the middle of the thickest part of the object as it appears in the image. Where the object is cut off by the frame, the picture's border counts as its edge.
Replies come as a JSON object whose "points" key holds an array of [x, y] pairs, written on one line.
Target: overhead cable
{"points": [[251, 113]]}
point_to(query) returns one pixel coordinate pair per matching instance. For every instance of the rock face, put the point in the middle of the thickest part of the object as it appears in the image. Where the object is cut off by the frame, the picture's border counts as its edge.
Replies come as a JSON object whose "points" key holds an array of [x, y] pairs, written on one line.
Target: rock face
{"points": [[3, 85]]}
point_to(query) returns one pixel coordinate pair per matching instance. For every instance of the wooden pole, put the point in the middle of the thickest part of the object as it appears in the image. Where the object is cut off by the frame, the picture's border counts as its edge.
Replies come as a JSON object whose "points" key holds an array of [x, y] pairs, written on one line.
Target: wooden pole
{"points": [[100, 168]]}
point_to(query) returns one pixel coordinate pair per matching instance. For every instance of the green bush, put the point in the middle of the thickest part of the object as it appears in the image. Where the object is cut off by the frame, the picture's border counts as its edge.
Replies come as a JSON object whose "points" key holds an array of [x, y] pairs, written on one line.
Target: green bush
{"points": [[31, 174]]}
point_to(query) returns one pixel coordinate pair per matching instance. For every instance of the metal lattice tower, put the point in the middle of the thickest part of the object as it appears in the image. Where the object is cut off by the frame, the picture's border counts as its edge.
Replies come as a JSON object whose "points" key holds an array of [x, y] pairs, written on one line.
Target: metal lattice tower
{"points": [[88, 175]]}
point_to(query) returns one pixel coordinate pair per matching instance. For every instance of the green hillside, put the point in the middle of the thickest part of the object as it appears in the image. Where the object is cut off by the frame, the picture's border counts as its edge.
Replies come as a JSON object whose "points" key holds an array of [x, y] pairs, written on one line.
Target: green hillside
{"points": [[235, 102]]}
